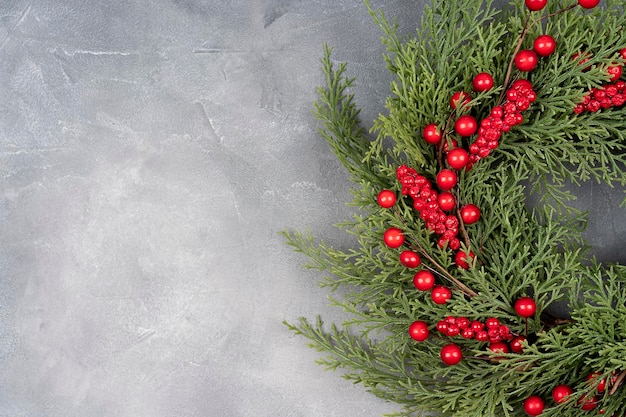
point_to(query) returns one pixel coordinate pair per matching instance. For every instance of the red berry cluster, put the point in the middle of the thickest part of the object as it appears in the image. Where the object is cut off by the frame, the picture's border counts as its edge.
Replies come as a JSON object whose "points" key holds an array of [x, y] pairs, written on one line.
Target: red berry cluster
{"points": [[607, 96], [518, 98], [425, 200], [491, 331]]}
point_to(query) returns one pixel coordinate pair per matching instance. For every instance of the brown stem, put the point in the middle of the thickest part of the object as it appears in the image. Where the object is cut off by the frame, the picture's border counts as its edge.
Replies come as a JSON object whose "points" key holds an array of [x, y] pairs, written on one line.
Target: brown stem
{"points": [[462, 227], [444, 140], [618, 382]]}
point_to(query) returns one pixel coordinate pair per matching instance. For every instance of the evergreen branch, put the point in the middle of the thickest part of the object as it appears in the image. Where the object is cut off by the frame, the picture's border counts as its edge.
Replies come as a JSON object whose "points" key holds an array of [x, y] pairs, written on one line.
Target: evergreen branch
{"points": [[519, 251]]}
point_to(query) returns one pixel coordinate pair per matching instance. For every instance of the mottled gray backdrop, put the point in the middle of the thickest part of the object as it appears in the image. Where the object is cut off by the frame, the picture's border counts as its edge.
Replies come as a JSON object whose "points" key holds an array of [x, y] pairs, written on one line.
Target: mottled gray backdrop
{"points": [[150, 152]]}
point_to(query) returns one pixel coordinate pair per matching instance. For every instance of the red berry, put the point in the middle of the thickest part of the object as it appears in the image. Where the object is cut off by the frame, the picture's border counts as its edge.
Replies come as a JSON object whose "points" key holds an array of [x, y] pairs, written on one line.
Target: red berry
{"points": [[424, 280], [587, 402], [622, 52], [446, 179], [517, 344], [588, 4], [432, 134], [534, 405], [460, 98], [451, 354], [526, 60], [498, 347], [418, 330], [593, 377], [453, 330], [440, 294], [457, 158], [615, 71], [386, 198], [442, 326], [393, 237], [535, 5], [544, 45], [467, 333], [492, 323], [462, 322], [482, 336], [461, 260], [482, 82], [470, 214], [410, 259], [477, 326], [449, 145], [446, 201], [560, 393], [466, 125], [522, 84], [525, 307], [583, 57]]}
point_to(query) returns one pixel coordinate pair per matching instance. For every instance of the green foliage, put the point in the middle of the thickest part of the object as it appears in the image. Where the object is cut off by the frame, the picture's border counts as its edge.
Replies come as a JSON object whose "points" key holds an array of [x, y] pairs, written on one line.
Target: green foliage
{"points": [[520, 251]]}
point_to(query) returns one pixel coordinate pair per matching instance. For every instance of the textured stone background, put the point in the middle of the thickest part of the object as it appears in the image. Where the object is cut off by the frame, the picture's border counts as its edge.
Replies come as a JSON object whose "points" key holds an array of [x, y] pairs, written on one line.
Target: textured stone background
{"points": [[150, 151]]}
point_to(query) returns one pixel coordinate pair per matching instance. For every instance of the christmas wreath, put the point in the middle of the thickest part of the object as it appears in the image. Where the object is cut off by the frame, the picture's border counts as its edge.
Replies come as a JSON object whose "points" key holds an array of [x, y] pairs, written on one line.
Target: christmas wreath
{"points": [[453, 277]]}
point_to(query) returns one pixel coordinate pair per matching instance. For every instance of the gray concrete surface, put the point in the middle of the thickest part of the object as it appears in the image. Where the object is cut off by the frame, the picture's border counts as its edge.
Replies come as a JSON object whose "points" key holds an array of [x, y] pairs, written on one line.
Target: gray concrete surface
{"points": [[150, 151]]}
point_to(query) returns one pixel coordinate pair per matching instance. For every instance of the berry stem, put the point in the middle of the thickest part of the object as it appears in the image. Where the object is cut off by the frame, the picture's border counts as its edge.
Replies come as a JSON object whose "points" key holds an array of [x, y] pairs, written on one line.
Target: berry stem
{"points": [[462, 227], [618, 382]]}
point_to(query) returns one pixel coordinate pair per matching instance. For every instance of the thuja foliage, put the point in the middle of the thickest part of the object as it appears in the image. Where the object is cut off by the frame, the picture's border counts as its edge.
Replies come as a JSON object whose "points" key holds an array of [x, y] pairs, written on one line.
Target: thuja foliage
{"points": [[520, 250]]}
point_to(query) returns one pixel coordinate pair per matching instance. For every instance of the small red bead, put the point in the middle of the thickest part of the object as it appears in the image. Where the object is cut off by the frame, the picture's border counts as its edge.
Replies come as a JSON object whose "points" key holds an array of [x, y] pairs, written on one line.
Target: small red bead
{"points": [[467, 333], [440, 294], [615, 71], [588, 4], [470, 214], [419, 330], [534, 405], [457, 158], [587, 402], [526, 60], [593, 377], [492, 323], [432, 134], [482, 82], [460, 98], [462, 261], [522, 84], [477, 326], [462, 322], [466, 125], [446, 201], [446, 179], [498, 347], [386, 198], [451, 354], [516, 344], [410, 259], [560, 393], [544, 45], [583, 58], [482, 336], [424, 280], [393, 237], [453, 330], [525, 307], [442, 326], [535, 5]]}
